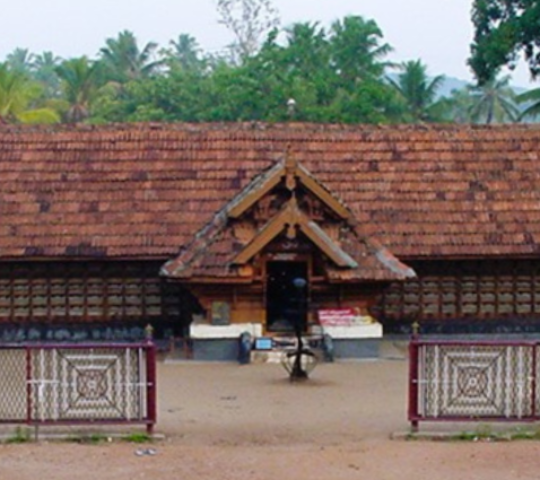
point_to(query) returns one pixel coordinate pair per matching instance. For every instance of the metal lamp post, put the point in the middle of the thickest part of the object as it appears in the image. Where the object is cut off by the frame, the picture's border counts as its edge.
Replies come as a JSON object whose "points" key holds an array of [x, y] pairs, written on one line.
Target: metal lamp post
{"points": [[297, 372]]}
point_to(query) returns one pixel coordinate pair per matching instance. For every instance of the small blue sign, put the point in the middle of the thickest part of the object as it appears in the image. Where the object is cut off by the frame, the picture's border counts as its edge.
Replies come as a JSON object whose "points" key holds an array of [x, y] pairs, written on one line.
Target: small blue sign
{"points": [[263, 343]]}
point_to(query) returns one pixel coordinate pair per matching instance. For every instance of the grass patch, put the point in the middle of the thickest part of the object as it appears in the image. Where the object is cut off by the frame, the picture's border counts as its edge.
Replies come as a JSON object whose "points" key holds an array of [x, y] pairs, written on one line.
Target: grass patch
{"points": [[21, 435], [139, 437], [474, 437], [92, 439], [483, 433], [525, 435]]}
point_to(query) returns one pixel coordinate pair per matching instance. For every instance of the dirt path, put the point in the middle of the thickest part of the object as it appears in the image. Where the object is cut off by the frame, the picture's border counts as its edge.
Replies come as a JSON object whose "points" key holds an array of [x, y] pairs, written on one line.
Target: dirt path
{"points": [[238, 422]]}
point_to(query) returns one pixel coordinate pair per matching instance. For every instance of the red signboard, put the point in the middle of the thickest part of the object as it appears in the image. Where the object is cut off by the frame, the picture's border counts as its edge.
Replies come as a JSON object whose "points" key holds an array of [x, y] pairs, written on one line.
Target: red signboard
{"points": [[339, 317]]}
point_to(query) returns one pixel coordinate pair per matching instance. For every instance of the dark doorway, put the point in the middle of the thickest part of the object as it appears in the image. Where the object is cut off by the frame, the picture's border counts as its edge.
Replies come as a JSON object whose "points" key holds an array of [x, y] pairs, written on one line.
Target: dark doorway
{"points": [[286, 299]]}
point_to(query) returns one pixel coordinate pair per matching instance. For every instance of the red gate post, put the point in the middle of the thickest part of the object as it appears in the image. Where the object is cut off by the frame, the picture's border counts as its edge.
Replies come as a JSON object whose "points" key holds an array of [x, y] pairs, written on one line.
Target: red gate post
{"points": [[151, 387], [29, 385], [413, 384]]}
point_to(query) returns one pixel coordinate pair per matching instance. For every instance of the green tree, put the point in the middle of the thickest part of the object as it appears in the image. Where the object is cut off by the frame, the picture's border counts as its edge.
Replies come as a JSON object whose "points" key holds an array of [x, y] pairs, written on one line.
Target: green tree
{"points": [[494, 101], [457, 107], [531, 101], [80, 81], [503, 29], [21, 61], [358, 52], [125, 61], [44, 71], [332, 76], [184, 53], [18, 97], [309, 75], [418, 92]]}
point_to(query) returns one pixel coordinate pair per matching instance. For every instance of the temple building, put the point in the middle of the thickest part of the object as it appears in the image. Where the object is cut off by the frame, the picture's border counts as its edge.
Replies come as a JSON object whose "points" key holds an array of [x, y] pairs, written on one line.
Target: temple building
{"points": [[209, 231]]}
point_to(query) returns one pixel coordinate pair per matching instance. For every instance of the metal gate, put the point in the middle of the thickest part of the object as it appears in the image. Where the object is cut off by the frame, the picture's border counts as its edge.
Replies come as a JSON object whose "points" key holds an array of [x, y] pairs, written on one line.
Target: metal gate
{"points": [[44, 384], [464, 381]]}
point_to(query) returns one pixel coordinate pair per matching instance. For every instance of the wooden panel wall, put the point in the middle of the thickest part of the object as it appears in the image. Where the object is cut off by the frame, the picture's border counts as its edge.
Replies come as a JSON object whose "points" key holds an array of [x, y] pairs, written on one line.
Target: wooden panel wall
{"points": [[87, 292], [479, 289]]}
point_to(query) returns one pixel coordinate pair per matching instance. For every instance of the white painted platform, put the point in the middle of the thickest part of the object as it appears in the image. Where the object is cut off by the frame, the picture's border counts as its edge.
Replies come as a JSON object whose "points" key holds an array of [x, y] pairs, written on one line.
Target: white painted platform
{"points": [[204, 331], [351, 332]]}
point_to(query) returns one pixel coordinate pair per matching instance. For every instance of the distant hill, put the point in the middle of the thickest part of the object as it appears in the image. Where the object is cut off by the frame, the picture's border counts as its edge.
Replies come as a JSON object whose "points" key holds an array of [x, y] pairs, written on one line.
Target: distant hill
{"points": [[452, 83], [449, 84]]}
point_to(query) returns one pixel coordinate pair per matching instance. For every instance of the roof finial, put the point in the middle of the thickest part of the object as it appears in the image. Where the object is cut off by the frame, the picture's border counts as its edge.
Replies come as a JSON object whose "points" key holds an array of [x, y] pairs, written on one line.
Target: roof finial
{"points": [[291, 107], [290, 169]]}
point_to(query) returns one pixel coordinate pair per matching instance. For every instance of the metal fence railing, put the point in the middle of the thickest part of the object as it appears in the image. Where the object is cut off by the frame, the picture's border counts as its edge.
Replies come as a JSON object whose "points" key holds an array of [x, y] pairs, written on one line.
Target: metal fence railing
{"points": [[68, 384], [481, 381]]}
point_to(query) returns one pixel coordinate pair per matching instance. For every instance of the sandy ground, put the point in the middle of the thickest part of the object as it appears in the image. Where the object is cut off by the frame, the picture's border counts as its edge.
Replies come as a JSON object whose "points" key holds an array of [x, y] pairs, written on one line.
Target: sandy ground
{"points": [[224, 421]]}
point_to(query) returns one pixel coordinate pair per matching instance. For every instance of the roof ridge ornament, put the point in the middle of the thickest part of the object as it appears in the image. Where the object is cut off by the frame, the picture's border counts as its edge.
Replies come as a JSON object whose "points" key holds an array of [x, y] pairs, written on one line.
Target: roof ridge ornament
{"points": [[291, 169], [293, 217]]}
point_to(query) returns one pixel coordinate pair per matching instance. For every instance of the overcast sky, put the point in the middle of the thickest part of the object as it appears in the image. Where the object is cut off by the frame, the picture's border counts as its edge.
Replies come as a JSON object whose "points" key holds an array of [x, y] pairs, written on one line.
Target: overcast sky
{"points": [[437, 31]]}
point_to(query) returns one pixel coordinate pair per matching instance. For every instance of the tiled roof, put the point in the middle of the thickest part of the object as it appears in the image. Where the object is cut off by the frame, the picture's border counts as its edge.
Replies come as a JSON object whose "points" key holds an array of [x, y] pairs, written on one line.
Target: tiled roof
{"points": [[144, 190]]}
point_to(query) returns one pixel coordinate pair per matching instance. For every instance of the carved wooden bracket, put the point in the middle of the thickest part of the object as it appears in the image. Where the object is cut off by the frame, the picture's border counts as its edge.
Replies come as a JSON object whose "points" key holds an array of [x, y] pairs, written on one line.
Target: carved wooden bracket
{"points": [[291, 219]]}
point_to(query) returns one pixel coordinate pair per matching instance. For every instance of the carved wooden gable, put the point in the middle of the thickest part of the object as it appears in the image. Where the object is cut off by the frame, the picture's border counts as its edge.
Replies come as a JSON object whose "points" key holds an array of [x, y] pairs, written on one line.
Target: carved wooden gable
{"points": [[284, 209]]}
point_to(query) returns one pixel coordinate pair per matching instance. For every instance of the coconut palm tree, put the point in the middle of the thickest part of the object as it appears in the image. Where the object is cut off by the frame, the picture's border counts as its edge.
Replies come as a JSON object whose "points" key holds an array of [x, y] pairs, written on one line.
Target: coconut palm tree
{"points": [[531, 99], [21, 61], [124, 60], [418, 91], [184, 53], [18, 98], [44, 66], [80, 80], [494, 101], [358, 51]]}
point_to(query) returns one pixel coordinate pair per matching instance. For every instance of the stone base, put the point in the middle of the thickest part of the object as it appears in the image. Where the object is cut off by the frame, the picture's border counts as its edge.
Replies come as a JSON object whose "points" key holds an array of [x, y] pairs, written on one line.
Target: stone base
{"points": [[356, 348], [216, 350]]}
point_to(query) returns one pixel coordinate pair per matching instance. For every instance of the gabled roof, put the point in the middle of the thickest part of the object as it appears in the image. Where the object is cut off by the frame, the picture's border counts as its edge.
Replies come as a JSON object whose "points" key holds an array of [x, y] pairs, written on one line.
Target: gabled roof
{"points": [[215, 252], [292, 172], [141, 191]]}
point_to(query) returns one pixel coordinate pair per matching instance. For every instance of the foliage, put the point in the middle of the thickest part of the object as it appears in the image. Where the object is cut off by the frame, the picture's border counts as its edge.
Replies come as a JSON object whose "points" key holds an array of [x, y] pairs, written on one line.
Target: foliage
{"points": [[124, 61], [44, 71], [357, 51], [503, 29], [457, 107], [184, 53], [80, 80], [92, 439], [418, 92], [310, 69], [305, 72], [19, 99], [531, 99], [20, 61], [21, 435], [138, 437], [494, 101]]}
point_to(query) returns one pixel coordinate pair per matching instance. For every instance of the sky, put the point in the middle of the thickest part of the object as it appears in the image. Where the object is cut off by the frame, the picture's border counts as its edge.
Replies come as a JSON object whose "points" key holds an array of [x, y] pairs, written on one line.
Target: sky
{"points": [[438, 32]]}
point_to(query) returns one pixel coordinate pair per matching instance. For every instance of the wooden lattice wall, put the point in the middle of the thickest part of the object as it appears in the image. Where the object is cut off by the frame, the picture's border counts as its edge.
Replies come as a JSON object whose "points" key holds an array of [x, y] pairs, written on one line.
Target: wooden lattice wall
{"points": [[89, 292], [464, 290]]}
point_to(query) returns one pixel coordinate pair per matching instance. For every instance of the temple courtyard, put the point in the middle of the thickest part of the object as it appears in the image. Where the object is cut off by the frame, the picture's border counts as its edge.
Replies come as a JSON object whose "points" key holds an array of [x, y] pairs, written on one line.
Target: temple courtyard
{"points": [[225, 421]]}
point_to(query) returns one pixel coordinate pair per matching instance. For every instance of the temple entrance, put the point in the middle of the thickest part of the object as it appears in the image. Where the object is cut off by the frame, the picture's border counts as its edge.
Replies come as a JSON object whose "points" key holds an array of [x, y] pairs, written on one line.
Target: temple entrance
{"points": [[286, 296]]}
